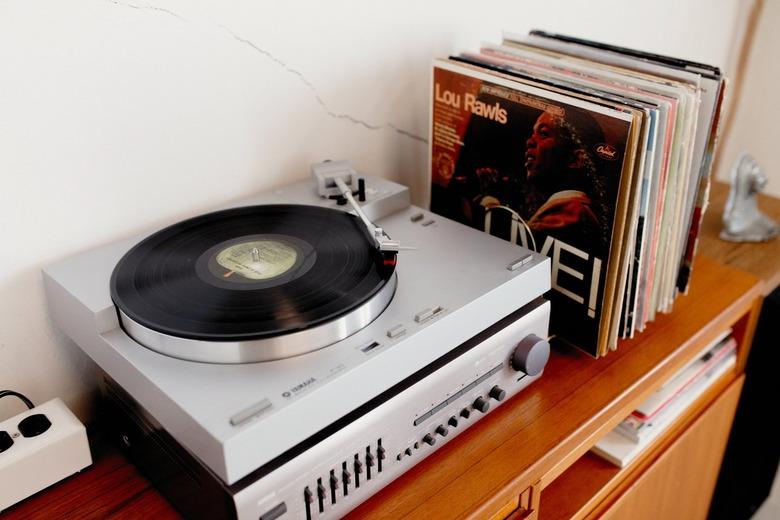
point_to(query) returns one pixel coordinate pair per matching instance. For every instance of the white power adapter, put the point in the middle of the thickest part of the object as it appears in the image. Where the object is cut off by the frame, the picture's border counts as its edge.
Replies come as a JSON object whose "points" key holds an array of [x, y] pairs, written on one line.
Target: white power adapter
{"points": [[39, 447]]}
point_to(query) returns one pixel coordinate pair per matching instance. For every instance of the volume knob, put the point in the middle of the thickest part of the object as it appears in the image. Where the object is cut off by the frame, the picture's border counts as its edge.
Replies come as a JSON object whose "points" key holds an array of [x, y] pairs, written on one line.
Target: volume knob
{"points": [[531, 355]]}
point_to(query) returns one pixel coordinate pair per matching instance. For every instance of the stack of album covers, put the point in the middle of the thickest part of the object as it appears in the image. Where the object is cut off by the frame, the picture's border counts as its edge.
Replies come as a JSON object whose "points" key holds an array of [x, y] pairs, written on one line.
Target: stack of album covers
{"points": [[595, 155]]}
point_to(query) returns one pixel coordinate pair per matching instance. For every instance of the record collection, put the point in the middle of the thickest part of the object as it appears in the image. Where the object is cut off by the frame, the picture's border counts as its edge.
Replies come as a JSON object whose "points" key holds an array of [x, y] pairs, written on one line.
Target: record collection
{"points": [[595, 155]]}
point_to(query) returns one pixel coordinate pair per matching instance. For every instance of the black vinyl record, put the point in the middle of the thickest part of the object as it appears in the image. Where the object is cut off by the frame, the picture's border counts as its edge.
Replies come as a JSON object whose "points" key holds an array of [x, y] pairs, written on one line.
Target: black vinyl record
{"points": [[250, 273]]}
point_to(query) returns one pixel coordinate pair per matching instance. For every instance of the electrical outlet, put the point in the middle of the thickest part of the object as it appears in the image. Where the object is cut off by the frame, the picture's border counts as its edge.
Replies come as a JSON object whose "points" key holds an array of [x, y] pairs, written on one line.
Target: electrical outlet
{"points": [[39, 447]]}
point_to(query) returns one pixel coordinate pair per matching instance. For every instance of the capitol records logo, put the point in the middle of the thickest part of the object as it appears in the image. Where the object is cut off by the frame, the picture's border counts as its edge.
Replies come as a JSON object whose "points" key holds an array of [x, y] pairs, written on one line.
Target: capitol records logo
{"points": [[607, 151], [299, 387]]}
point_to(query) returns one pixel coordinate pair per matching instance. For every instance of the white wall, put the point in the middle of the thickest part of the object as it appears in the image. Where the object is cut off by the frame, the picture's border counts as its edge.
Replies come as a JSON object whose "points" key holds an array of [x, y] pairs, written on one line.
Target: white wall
{"points": [[754, 123], [117, 118]]}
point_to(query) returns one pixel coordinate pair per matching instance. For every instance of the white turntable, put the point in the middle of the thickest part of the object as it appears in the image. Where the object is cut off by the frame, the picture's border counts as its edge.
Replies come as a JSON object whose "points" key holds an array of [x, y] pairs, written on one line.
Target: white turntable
{"points": [[314, 410]]}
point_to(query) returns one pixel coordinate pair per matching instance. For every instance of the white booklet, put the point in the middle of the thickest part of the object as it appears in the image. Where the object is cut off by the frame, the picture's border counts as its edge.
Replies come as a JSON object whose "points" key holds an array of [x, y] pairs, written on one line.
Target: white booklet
{"points": [[619, 449]]}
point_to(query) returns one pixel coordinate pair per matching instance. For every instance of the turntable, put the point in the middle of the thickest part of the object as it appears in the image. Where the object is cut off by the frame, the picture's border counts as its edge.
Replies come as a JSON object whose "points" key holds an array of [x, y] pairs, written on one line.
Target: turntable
{"points": [[290, 356]]}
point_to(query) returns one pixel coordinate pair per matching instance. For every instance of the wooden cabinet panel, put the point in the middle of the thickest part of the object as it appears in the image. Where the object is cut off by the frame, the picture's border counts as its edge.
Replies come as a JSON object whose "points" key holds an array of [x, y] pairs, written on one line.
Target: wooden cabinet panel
{"points": [[680, 483]]}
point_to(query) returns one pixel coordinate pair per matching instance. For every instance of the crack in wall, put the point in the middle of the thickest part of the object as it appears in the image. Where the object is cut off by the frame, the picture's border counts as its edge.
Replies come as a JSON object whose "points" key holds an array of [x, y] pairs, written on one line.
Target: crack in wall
{"points": [[408, 133], [298, 74], [316, 94], [148, 8]]}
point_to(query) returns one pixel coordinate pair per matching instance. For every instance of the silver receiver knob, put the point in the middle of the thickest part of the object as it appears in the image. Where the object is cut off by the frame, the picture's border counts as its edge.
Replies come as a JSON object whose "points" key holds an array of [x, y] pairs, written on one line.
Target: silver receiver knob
{"points": [[531, 355]]}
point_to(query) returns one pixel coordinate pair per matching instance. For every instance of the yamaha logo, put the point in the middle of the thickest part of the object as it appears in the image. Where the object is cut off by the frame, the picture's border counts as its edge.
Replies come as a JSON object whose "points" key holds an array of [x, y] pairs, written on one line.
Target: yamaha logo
{"points": [[607, 151], [299, 387]]}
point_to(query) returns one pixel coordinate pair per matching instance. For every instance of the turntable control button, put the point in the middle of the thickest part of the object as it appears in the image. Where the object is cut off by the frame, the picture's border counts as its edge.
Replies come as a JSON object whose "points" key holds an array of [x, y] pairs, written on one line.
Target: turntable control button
{"points": [[370, 460], [380, 451], [358, 466], [426, 314], [429, 440], [334, 480], [321, 491], [453, 421], [530, 355], [497, 393], [520, 262], [308, 496], [423, 315], [346, 477], [481, 404], [442, 430], [408, 451], [465, 413], [396, 331]]}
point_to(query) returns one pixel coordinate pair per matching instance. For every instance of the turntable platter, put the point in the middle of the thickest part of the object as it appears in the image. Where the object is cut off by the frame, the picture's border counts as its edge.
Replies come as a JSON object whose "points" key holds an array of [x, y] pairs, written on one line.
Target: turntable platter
{"points": [[252, 284]]}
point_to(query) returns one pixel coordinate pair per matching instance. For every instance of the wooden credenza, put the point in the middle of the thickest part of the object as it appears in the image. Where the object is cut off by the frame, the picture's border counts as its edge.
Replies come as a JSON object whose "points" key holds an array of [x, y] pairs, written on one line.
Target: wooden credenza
{"points": [[530, 457]]}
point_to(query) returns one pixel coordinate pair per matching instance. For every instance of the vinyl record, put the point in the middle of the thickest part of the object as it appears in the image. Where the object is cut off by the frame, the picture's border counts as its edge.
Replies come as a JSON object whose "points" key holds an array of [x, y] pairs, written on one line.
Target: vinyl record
{"points": [[252, 283]]}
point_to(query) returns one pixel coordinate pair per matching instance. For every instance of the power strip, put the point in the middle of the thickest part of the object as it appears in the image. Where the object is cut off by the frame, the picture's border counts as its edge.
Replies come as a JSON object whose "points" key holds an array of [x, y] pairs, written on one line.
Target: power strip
{"points": [[39, 447]]}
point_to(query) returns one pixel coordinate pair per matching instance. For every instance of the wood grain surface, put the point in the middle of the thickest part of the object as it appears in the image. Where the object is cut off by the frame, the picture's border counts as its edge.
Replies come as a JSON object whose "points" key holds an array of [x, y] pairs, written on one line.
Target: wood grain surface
{"points": [[761, 259]]}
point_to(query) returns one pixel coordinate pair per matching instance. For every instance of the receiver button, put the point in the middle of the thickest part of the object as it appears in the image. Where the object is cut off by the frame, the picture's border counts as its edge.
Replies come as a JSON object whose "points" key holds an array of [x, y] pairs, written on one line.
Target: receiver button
{"points": [[497, 393], [481, 404]]}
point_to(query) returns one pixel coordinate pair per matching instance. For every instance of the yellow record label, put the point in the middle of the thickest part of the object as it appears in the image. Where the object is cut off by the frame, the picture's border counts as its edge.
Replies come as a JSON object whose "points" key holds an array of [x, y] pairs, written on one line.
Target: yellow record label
{"points": [[258, 259]]}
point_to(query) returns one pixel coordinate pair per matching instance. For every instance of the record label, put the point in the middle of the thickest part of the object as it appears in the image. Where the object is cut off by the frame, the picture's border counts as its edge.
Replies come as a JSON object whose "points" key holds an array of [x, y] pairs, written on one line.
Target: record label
{"points": [[258, 259]]}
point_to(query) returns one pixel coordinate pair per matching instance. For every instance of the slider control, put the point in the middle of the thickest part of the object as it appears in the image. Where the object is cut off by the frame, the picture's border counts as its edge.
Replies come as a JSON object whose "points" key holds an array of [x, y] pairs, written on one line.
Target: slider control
{"points": [[370, 461], [380, 455], [321, 494], [334, 485], [358, 470], [308, 499]]}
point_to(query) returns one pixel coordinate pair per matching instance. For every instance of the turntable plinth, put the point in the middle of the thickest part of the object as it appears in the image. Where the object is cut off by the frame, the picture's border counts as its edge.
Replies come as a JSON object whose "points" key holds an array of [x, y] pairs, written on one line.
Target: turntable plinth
{"points": [[533, 451]]}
